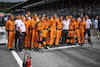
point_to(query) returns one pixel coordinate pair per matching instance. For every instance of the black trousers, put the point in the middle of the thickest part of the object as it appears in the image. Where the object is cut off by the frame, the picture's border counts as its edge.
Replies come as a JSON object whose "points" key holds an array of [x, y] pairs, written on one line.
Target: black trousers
{"points": [[16, 37], [88, 32], [64, 36], [21, 41]]}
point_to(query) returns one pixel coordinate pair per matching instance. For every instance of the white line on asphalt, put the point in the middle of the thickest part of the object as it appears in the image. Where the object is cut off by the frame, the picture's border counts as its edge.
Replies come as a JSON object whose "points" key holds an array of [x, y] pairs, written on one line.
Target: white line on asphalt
{"points": [[19, 61], [63, 47]]}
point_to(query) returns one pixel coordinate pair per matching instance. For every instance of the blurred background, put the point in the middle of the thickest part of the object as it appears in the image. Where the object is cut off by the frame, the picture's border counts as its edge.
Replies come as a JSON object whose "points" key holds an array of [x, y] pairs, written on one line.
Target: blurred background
{"points": [[61, 7]]}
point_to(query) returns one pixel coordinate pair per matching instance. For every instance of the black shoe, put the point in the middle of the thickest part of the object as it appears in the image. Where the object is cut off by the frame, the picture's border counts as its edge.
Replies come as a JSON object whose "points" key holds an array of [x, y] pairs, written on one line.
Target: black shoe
{"points": [[40, 50], [79, 43], [12, 49], [71, 44], [74, 44], [45, 47], [51, 46]]}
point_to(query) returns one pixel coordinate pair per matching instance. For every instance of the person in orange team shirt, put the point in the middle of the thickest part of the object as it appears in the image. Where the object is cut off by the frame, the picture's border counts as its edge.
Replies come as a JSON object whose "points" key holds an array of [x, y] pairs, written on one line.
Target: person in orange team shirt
{"points": [[82, 28], [11, 25], [28, 13], [45, 25], [59, 30], [71, 31], [39, 34], [27, 37], [53, 22], [33, 34], [33, 25], [77, 30]]}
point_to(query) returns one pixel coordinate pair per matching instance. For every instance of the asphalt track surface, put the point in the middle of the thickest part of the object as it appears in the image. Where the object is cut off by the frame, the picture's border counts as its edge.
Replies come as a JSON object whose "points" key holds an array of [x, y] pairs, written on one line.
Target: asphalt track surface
{"points": [[85, 56]]}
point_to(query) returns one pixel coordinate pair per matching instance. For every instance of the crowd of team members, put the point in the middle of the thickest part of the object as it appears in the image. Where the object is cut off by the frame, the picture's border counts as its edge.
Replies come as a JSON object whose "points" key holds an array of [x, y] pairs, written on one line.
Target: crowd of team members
{"points": [[41, 30]]}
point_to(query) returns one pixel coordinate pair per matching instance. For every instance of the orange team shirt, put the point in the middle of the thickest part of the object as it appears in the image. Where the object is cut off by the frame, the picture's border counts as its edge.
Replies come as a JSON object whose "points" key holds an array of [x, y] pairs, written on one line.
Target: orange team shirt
{"points": [[77, 25], [27, 24], [53, 23], [45, 24], [82, 25], [39, 27], [32, 23], [72, 26], [59, 24], [10, 24]]}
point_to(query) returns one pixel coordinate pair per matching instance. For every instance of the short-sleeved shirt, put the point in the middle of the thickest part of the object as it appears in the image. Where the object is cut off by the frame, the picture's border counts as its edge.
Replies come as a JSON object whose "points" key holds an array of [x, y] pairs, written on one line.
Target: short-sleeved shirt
{"points": [[29, 18], [66, 24], [95, 24], [16, 23], [88, 23], [21, 24]]}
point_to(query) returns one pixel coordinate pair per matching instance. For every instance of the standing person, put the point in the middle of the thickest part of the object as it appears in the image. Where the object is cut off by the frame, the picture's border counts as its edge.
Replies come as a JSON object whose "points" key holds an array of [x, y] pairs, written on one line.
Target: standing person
{"points": [[39, 34], [21, 29], [5, 19], [59, 30], [82, 29], [99, 24], [45, 32], [65, 29], [16, 33], [95, 28], [53, 22], [71, 31], [28, 13], [43, 16], [33, 25], [80, 17], [77, 30], [33, 31], [89, 26], [10, 27], [48, 33], [38, 18], [27, 37]]}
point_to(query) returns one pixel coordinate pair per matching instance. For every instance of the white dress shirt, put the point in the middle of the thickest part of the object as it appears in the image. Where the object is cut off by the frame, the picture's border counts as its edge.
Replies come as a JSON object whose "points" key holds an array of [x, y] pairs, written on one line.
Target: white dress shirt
{"points": [[16, 23], [66, 25], [37, 19], [88, 23], [5, 19], [21, 24], [29, 18]]}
